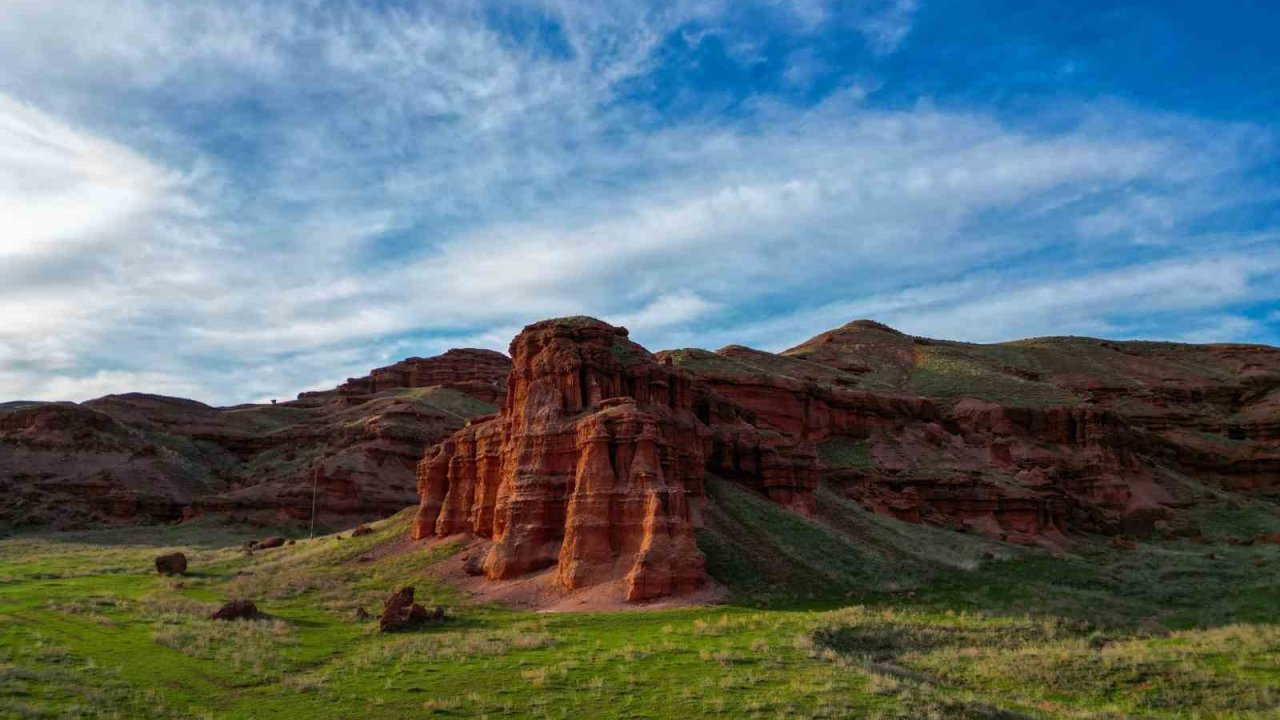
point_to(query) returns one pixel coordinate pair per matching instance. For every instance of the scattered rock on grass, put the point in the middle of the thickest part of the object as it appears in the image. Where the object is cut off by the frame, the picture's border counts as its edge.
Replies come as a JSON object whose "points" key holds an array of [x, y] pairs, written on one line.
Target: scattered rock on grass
{"points": [[171, 564], [236, 610], [361, 531], [400, 612], [274, 541], [471, 566]]}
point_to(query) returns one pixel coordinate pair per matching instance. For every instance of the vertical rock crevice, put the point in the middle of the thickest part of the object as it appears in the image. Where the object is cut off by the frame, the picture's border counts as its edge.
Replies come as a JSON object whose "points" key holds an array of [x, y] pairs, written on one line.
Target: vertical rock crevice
{"points": [[571, 472]]}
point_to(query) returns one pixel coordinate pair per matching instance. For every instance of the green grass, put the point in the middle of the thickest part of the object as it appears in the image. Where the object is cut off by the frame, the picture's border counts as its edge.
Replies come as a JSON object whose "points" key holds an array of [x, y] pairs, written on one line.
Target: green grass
{"points": [[450, 401], [944, 371], [708, 363], [847, 614], [842, 453]]}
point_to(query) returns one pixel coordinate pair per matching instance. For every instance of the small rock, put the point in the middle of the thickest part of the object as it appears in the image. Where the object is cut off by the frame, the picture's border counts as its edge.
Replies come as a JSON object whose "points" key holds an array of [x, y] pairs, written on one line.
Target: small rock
{"points": [[400, 612], [361, 614], [236, 610], [291, 541], [274, 541], [472, 566], [361, 531], [171, 564]]}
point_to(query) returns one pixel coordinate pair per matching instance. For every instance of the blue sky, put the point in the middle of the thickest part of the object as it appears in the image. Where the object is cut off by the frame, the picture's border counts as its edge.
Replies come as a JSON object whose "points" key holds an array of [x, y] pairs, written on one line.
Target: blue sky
{"points": [[243, 199]]}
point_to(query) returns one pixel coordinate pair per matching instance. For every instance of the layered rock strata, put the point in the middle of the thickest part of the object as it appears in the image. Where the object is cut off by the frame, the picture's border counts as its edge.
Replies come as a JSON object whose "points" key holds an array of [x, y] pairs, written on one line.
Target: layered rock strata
{"points": [[145, 458], [591, 466]]}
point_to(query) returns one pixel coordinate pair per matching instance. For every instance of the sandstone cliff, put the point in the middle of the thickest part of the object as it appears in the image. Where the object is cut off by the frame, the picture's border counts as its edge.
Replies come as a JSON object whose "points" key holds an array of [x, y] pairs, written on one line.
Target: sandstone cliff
{"points": [[145, 458], [595, 464], [590, 466]]}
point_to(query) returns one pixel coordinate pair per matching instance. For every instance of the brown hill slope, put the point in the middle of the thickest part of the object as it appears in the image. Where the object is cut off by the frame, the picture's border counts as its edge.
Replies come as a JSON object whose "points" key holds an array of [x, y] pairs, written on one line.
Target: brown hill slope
{"points": [[597, 461], [135, 457]]}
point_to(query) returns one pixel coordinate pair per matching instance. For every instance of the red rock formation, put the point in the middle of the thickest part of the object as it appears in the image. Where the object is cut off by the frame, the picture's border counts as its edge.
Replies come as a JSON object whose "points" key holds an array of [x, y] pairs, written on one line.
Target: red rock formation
{"points": [[140, 458], [590, 466], [1026, 441], [480, 373], [400, 612], [595, 463]]}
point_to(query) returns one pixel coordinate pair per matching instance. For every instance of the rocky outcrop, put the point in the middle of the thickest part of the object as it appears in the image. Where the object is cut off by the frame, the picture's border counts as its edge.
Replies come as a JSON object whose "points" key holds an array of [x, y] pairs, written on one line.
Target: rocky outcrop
{"points": [[1025, 441], [591, 466], [479, 373], [146, 458], [595, 464], [400, 612]]}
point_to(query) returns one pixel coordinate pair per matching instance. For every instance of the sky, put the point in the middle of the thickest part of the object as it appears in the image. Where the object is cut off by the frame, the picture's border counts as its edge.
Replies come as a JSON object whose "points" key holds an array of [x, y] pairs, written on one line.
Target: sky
{"points": [[238, 200]]}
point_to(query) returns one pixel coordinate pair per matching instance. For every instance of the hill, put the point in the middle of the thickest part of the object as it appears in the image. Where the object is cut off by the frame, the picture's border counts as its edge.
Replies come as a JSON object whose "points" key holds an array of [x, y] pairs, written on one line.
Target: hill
{"points": [[147, 458], [851, 528]]}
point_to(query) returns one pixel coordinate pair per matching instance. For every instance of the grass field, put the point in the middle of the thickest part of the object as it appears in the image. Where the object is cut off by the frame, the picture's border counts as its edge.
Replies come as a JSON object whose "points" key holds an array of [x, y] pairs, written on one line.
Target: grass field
{"points": [[864, 617]]}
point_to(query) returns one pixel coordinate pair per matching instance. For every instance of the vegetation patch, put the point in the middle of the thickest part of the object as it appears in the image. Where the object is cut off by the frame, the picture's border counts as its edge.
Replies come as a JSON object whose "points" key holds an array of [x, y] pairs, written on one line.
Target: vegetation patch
{"points": [[847, 614], [948, 373], [845, 453]]}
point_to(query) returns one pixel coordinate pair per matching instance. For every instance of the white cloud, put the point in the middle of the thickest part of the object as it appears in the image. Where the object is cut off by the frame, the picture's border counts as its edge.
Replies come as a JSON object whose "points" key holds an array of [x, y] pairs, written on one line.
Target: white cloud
{"points": [[241, 200], [59, 186], [999, 306]]}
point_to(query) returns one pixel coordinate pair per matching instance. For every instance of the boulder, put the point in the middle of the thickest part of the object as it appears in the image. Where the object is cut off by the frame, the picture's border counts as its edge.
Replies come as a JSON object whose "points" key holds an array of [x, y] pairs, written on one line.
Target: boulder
{"points": [[236, 610], [361, 531], [400, 612], [274, 541], [171, 564]]}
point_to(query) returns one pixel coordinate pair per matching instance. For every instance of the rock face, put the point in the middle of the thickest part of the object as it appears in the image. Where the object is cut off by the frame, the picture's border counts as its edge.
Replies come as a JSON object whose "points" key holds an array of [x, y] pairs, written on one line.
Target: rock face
{"points": [[146, 458], [590, 466], [1023, 441], [595, 464], [478, 373]]}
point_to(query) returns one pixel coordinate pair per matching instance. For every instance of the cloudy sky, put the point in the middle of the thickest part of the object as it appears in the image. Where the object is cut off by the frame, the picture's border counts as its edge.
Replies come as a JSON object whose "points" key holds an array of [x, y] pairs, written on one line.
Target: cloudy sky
{"points": [[240, 199]]}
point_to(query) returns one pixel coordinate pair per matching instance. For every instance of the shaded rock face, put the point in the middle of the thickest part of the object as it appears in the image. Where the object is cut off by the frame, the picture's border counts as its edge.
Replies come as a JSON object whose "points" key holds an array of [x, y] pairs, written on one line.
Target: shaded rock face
{"points": [[1024, 441], [591, 466], [146, 458], [595, 464]]}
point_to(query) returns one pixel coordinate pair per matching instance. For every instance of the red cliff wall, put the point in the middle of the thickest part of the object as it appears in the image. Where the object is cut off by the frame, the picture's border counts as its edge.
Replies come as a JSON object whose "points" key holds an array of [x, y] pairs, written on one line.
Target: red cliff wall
{"points": [[590, 466]]}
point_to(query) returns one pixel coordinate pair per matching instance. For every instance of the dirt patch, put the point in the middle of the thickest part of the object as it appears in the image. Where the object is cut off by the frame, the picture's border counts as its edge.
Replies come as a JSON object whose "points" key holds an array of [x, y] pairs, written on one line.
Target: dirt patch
{"points": [[537, 591]]}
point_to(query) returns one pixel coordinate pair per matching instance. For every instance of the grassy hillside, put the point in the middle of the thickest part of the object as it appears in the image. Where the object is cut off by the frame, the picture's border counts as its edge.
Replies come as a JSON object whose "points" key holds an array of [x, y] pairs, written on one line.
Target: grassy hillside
{"points": [[848, 614]]}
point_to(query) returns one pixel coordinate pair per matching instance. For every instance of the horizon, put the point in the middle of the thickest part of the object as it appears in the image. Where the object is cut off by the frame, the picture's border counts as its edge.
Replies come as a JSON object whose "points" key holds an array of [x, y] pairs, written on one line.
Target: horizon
{"points": [[505, 352], [243, 200]]}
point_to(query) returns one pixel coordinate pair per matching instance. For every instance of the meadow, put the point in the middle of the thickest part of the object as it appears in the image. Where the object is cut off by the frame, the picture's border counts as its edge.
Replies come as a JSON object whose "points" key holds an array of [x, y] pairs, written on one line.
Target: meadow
{"points": [[898, 622]]}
